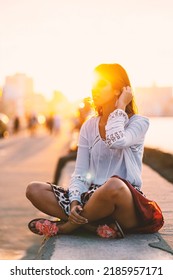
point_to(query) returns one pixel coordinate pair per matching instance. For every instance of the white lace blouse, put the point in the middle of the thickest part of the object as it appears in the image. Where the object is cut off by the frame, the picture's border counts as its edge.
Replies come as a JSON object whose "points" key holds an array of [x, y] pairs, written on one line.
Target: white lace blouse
{"points": [[120, 154]]}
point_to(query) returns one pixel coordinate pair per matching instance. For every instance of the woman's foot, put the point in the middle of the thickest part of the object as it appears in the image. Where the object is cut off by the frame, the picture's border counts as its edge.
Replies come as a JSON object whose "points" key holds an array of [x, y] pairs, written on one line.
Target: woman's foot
{"points": [[112, 230], [45, 227], [50, 228]]}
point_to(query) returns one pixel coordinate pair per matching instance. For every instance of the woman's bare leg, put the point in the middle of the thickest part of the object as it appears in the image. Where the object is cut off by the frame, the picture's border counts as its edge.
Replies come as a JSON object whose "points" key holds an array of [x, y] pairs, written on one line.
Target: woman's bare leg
{"points": [[42, 197], [112, 199]]}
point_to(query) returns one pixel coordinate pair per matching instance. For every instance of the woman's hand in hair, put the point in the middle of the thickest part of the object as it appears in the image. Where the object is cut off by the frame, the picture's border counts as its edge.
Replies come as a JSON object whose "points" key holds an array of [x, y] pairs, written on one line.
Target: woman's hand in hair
{"points": [[125, 98]]}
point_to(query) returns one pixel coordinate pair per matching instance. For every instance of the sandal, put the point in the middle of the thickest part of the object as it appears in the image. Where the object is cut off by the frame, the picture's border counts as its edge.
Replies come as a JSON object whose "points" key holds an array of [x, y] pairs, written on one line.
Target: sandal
{"points": [[44, 227], [111, 231]]}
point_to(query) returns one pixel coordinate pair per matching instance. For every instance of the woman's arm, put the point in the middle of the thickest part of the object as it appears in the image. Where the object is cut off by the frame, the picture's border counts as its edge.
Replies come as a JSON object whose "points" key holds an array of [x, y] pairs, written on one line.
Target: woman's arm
{"points": [[79, 182], [122, 132]]}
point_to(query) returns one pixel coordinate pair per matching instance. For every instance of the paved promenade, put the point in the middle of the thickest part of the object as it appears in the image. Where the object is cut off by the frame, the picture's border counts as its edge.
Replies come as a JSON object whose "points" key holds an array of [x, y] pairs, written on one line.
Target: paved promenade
{"points": [[158, 246], [23, 159]]}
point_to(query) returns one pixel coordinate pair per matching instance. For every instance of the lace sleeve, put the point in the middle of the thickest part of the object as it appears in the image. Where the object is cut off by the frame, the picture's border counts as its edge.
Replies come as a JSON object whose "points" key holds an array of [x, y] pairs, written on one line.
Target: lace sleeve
{"points": [[80, 182], [122, 132]]}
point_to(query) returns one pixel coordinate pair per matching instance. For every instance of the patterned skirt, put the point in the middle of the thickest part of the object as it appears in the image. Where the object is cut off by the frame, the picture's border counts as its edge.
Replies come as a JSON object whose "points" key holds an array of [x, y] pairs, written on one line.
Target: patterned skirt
{"points": [[148, 212], [62, 196]]}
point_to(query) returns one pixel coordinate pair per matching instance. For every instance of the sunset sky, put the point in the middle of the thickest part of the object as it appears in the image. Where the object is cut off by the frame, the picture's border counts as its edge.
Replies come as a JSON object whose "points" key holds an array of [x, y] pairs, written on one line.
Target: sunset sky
{"points": [[59, 42]]}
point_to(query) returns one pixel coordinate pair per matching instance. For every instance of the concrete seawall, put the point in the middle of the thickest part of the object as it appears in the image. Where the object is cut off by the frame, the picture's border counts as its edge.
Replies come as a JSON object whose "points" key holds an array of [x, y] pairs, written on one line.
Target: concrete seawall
{"points": [[160, 161], [158, 246]]}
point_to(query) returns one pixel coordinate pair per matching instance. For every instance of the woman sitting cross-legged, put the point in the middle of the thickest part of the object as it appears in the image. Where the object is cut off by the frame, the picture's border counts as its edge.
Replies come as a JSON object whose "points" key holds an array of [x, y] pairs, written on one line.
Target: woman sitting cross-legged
{"points": [[104, 193]]}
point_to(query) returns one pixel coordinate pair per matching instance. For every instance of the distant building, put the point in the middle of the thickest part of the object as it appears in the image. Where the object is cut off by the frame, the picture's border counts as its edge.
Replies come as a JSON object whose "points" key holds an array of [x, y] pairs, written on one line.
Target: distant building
{"points": [[59, 104], [16, 90], [154, 101], [19, 99], [36, 103]]}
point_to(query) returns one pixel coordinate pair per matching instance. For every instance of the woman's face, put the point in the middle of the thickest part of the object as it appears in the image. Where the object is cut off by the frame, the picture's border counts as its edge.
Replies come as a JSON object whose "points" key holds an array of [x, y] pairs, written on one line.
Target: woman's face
{"points": [[103, 92]]}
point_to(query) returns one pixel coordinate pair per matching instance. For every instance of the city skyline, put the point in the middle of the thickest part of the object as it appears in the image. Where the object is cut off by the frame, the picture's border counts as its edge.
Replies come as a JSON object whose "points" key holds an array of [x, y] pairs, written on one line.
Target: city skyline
{"points": [[19, 96], [58, 43], [19, 80]]}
